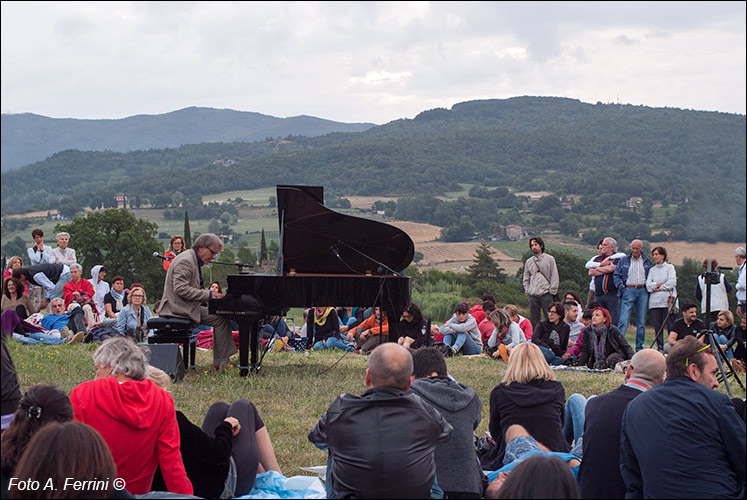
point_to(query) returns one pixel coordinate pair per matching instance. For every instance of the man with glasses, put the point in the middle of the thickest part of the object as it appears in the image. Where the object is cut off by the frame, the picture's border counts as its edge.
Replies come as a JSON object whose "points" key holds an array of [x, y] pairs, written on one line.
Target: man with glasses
{"points": [[185, 296], [682, 439]]}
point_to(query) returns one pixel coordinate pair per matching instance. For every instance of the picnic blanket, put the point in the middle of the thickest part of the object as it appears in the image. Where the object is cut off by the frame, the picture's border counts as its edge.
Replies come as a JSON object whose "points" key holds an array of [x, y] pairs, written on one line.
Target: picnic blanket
{"points": [[580, 369]]}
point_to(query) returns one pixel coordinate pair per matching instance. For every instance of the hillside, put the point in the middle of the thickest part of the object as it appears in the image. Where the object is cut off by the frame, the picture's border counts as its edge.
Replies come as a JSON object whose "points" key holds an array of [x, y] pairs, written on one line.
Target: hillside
{"points": [[686, 169], [28, 138]]}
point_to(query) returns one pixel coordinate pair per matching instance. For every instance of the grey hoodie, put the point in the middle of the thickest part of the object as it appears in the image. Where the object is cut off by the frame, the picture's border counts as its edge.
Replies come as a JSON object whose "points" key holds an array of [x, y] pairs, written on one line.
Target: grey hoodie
{"points": [[457, 467]]}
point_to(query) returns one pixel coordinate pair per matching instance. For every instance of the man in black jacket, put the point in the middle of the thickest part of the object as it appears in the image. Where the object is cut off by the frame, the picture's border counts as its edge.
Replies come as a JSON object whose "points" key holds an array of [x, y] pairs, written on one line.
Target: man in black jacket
{"points": [[381, 444]]}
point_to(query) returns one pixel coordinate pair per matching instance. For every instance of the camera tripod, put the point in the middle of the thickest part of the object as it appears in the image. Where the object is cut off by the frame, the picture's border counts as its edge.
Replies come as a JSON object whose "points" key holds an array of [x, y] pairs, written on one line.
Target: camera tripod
{"points": [[713, 278]]}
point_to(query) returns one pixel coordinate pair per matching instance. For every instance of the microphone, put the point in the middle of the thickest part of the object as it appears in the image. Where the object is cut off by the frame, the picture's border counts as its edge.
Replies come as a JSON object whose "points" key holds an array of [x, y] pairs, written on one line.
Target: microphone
{"points": [[335, 250], [156, 254]]}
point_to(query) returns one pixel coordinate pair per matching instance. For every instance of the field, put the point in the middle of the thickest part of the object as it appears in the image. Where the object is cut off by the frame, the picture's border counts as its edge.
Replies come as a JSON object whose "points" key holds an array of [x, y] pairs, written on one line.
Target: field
{"points": [[291, 391]]}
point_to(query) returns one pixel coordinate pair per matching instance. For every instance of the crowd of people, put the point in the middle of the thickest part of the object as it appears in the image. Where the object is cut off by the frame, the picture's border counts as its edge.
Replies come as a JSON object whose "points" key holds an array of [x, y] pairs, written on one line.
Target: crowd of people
{"points": [[411, 434]]}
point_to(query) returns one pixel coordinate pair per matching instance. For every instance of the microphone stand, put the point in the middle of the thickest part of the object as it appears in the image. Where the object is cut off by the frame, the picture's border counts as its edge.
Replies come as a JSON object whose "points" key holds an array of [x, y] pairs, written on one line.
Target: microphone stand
{"points": [[380, 264]]}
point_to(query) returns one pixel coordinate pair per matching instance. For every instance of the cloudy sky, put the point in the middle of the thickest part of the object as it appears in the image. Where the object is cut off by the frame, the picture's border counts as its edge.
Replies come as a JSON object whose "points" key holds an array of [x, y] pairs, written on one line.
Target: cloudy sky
{"points": [[365, 61]]}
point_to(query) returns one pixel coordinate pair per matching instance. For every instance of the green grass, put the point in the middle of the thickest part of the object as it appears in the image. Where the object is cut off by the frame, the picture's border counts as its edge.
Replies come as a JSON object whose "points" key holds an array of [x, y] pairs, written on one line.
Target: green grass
{"points": [[291, 391]]}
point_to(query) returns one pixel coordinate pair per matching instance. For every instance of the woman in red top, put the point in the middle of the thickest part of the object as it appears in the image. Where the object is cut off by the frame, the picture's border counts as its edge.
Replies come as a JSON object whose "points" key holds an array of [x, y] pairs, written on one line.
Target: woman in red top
{"points": [[176, 246], [135, 417]]}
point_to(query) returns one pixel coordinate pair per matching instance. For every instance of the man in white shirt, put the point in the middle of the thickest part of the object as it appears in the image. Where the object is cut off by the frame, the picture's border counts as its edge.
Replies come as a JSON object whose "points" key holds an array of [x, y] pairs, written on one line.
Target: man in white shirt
{"points": [[740, 255]]}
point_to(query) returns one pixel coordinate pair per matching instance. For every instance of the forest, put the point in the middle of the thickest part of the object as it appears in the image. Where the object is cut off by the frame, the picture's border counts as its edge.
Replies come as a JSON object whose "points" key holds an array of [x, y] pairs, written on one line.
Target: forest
{"points": [[685, 169]]}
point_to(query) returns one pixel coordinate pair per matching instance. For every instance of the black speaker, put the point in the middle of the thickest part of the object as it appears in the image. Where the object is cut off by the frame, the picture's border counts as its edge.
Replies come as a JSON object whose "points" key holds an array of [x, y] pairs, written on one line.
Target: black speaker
{"points": [[167, 357]]}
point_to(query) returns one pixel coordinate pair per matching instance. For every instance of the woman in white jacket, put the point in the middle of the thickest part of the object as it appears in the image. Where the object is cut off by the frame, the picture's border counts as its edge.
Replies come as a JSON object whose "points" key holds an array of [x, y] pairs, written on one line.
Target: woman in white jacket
{"points": [[661, 284]]}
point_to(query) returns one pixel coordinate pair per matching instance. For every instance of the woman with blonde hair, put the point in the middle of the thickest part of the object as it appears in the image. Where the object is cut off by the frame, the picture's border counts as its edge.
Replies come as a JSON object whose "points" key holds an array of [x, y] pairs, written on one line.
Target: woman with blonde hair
{"points": [[528, 396], [132, 320]]}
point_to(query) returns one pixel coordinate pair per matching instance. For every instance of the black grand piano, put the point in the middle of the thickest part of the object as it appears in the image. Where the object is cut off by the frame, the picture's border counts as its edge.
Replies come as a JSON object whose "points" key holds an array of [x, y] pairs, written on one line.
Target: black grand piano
{"points": [[325, 259]]}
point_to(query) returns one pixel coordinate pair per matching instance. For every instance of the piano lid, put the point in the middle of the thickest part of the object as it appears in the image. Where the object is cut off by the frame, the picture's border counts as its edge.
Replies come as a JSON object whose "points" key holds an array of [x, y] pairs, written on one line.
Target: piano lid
{"points": [[317, 240]]}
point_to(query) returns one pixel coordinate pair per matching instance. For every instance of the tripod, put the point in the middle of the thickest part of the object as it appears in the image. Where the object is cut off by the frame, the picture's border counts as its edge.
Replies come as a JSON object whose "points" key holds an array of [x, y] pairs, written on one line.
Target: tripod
{"points": [[712, 278], [670, 310]]}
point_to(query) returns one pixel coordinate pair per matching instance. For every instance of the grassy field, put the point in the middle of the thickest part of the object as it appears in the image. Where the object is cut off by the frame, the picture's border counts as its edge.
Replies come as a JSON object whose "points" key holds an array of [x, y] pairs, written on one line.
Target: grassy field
{"points": [[291, 391]]}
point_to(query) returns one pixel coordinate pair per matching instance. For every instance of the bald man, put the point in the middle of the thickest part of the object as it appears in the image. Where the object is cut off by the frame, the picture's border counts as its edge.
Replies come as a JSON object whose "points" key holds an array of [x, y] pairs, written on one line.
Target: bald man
{"points": [[630, 279], [599, 474], [381, 444]]}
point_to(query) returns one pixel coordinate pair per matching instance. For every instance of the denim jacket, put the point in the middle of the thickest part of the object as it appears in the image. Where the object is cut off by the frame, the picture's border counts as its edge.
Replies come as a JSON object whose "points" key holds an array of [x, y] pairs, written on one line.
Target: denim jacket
{"points": [[621, 272]]}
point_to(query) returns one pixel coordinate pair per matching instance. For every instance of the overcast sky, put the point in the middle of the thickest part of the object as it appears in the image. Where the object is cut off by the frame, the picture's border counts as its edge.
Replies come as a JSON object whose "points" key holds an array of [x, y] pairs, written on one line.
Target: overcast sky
{"points": [[365, 61]]}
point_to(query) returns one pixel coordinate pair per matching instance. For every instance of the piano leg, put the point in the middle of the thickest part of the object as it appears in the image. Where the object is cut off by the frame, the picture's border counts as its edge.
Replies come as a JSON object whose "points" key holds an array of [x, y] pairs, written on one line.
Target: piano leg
{"points": [[248, 338]]}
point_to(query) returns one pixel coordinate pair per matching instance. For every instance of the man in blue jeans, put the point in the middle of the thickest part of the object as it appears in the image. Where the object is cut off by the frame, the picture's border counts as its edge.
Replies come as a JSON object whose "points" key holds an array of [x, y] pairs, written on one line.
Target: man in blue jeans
{"points": [[630, 279]]}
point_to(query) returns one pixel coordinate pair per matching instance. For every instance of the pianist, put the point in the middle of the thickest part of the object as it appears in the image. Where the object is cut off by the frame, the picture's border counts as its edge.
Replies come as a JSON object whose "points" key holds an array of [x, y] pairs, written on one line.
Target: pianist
{"points": [[184, 296]]}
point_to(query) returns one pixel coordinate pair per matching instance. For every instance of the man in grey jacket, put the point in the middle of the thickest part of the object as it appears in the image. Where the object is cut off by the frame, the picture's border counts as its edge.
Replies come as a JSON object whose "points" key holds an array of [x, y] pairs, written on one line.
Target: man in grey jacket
{"points": [[458, 470], [540, 280]]}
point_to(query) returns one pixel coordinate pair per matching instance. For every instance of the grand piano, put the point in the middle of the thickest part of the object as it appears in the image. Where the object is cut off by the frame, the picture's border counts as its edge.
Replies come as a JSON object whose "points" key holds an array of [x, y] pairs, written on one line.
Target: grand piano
{"points": [[325, 259]]}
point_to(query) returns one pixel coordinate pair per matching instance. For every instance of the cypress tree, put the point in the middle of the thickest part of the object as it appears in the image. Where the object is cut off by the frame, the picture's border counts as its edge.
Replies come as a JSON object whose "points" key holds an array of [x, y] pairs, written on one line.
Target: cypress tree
{"points": [[187, 232], [262, 248]]}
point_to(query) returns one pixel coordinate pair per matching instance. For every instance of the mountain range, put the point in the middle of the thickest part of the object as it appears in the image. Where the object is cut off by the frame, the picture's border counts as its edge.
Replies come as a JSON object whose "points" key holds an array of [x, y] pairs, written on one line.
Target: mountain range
{"points": [[28, 138]]}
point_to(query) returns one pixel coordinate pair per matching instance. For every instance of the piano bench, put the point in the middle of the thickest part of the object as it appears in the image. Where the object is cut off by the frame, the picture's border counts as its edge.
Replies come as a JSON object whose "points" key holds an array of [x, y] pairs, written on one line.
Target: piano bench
{"points": [[175, 331]]}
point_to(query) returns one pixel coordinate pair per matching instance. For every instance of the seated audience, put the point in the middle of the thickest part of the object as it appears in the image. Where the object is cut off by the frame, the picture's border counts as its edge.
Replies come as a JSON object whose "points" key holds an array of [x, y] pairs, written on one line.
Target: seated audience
{"points": [[570, 357], [100, 287], [349, 317], [68, 324], [14, 298], [63, 254], [228, 432], [382, 443], [506, 334], [573, 296], [724, 332], [528, 396], [604, 346], [551, 335], [688, 324], [599, 474], [40, 406], [323, 330], [39, 253], [114, 301], [524, 323], [132, 320], [26, 333], [486, 326], [571, 314], [413, 328], [457, 468], [372, 332], [540, 475], [136, 418], [683, 439], [13, 262], [78, 292], [61, 453], [461, 333]]}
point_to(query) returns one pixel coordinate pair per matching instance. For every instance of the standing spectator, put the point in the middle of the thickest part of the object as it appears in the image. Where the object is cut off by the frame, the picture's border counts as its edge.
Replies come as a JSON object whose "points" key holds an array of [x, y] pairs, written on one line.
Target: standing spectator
{"points": [[688, 325], [740, 255], [39, 253], [63, 254], [100, 287], [682, 439], [52, 277], [136, 418], [381, 443], [176, 246], [595, 263], [604, 283], [551, 336], [540, 280], [528, 396], [630, 279], [457, 468], [662, 285], [719, 291]]}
